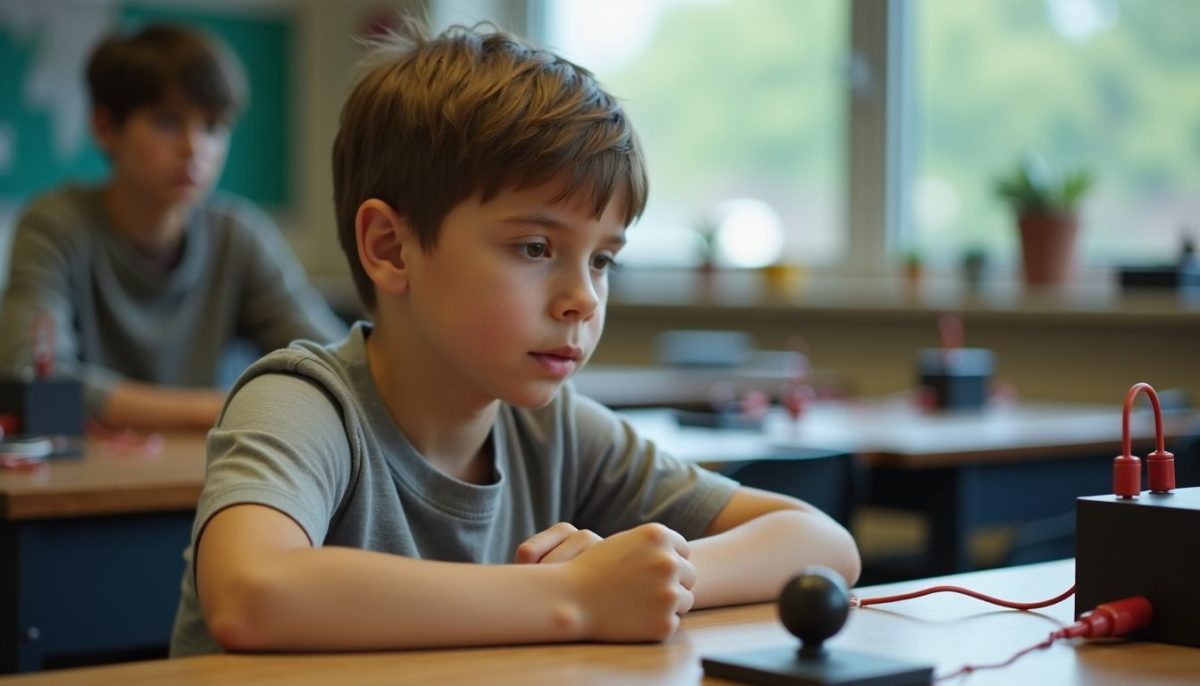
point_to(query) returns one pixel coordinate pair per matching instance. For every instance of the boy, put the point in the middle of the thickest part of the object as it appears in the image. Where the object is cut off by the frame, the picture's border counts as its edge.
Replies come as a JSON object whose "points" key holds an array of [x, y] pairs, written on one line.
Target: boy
{"points": [[145, 280], [367, 494]]}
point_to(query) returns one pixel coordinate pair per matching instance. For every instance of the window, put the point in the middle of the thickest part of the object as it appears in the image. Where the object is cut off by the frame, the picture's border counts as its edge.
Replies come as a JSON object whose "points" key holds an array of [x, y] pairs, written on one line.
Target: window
{"points": [[741, 110], [1098, 83]]}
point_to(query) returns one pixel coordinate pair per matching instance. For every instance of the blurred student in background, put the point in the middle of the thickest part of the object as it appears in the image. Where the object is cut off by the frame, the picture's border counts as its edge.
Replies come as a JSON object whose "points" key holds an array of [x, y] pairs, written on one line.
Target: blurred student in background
{"points": [[141, 283]]}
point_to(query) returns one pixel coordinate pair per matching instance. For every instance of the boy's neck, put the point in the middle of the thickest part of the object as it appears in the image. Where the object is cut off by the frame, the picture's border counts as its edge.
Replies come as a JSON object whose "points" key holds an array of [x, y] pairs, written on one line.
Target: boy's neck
{"points": [[448, 427], [156, 232]]}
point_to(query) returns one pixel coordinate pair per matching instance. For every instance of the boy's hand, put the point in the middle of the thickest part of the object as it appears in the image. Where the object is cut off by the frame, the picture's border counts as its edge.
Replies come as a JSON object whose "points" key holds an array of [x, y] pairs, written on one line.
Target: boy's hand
{"points": [[559, 543], [633, 585]]}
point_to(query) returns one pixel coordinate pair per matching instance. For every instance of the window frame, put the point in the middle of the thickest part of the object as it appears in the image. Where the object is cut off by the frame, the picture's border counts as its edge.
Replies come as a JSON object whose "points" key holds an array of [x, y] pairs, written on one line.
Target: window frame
{"points": [[879, 144]]}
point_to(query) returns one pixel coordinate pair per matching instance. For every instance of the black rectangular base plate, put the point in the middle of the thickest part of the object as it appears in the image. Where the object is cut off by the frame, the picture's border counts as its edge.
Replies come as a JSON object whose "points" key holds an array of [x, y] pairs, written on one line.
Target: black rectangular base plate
{"points": [[781, 667]]}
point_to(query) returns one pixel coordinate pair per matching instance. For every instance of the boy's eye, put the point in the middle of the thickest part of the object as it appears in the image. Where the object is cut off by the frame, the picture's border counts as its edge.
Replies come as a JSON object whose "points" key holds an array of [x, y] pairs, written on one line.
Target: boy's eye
{"points": [[166, 120], [603, 263], [534, 250]]}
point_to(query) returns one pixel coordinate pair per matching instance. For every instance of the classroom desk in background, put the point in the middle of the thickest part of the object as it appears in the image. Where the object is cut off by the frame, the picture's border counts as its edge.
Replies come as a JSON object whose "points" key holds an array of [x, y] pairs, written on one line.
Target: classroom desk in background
{"points": [[945, 630], [1021, 464], [620, 386], [91, 553], [964, 470]]}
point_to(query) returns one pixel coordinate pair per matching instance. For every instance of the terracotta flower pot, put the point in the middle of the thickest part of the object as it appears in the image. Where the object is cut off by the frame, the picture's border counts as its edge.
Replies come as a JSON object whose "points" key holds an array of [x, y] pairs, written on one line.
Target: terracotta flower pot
{"points": [[1047, 247]]}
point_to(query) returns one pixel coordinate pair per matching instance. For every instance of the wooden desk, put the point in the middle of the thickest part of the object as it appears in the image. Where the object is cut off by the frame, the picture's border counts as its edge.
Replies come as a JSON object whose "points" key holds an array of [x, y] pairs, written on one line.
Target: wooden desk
{"points": [[622, 386], [963, 470], [895, 433], [945, 630], [1022, 465], [84, 540], [107, 481]]}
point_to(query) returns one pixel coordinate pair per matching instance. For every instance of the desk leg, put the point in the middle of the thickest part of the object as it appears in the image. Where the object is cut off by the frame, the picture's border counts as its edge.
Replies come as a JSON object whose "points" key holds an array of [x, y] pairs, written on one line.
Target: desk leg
{"points": [[946, 496], [951, 518]]}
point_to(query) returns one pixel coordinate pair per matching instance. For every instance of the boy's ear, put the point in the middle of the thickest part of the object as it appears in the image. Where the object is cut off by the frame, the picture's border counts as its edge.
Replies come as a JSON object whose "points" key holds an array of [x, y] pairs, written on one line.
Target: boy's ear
{"points": [[105, 129], [385, 241]]}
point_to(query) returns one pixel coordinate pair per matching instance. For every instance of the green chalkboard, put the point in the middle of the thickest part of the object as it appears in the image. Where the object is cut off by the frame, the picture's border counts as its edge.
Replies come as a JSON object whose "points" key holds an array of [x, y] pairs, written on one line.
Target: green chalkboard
{"points": [[260, 155]]}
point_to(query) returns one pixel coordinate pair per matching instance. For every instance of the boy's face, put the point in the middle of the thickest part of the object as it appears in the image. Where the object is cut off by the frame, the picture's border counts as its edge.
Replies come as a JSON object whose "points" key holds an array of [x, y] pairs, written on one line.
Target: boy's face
{"points": [[170, 153], [513, 295]]}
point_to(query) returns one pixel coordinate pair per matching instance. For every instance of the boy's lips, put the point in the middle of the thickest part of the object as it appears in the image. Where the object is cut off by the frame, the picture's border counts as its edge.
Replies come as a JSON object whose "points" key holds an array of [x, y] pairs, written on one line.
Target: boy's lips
{"points": [[567, 351], [560, 362]]}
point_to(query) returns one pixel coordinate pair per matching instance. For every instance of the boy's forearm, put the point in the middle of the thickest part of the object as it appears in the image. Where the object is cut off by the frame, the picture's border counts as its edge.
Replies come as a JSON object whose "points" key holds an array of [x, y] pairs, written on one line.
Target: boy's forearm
{"points": [[347, 599], [751, 562], [145, 406]]}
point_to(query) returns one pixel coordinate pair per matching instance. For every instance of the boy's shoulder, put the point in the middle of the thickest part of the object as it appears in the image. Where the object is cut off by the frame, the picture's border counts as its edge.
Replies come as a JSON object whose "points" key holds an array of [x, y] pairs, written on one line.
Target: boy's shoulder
{"points": [[58, 228], [237, 215], [336, 368], [327, 364], [66, 210]]}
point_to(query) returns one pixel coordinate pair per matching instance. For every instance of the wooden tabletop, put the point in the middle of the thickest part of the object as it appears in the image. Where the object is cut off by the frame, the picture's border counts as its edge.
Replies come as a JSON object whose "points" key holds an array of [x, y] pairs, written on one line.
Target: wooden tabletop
{"points": [[108, 480], [626, 386], [896, 433], [944, 630]]}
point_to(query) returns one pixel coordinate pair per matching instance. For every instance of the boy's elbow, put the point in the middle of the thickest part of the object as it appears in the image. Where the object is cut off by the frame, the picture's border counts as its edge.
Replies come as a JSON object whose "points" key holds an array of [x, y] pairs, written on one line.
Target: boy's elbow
{"points": [[842, 553], [837, 547], [232, 632], [238, 616], [850, 564]]}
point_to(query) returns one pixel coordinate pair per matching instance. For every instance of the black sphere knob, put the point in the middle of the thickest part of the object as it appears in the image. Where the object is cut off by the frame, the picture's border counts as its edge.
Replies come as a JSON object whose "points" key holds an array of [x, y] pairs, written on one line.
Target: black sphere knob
{"points": [[814, 606]]}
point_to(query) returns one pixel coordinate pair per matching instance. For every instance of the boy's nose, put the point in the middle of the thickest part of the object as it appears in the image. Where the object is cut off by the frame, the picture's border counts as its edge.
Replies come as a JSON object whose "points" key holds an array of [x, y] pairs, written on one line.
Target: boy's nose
{"points": [[194, 137], [578, 299], [188, 141]]}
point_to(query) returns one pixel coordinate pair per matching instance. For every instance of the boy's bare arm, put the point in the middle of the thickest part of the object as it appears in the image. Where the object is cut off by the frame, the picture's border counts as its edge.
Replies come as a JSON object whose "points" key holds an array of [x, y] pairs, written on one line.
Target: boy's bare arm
{"points": [[262, 586], [144, 406], [758, 541]]}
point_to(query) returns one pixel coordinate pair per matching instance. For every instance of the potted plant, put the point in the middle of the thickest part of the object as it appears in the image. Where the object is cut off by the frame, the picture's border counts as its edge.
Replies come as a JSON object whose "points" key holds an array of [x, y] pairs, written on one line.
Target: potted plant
{"points": [[1046, 208], [913, 267], [974, 266]]}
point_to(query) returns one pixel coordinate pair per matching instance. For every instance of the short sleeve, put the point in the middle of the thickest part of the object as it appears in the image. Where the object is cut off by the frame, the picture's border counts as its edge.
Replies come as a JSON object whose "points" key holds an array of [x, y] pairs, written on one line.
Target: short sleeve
{"points": [[626, 480], [280, 442]]}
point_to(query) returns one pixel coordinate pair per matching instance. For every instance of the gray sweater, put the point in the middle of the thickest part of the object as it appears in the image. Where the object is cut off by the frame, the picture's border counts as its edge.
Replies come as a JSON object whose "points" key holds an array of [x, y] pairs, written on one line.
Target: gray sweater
{"points": [[119, 315]]}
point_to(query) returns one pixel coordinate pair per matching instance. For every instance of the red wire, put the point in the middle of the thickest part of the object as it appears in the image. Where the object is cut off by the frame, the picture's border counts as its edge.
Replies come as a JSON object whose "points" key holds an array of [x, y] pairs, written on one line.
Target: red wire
{"points": [[1065, 632], [1042, 645], [1126, 444], [864, 602]]}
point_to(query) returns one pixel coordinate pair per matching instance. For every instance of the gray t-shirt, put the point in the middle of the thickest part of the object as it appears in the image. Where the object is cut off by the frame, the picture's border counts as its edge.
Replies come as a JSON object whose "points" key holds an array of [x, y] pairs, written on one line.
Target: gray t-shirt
{"points": [[307, 433], [118, 314]]}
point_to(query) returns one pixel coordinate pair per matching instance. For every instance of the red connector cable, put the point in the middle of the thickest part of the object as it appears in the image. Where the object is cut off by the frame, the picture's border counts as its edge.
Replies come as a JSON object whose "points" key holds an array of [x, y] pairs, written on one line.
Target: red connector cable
{"points": [[1117, 618], [1012, 605], [1160, 464]]}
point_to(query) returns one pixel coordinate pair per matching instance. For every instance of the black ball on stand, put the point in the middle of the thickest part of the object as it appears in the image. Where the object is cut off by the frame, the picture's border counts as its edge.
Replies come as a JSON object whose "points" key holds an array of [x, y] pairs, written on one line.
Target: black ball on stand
{"points": [[813, 607]]}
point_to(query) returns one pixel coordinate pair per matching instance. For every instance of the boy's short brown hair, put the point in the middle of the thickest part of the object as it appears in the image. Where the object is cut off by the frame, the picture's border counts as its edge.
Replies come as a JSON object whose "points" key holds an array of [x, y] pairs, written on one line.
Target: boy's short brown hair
{"points": [[126, 72], [434, 121]]}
